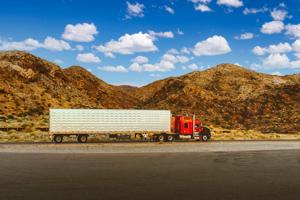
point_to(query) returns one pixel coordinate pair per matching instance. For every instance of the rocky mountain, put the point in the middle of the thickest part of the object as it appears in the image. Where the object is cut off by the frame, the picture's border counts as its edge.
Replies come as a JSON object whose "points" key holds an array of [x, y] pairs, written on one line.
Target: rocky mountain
{"points": [[232, 97], [226, 95], [30, 86]]}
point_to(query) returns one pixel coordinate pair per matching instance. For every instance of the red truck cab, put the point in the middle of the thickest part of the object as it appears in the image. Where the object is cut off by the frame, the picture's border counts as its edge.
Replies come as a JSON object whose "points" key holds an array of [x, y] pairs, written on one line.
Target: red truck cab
{"points": [[189, 126]]}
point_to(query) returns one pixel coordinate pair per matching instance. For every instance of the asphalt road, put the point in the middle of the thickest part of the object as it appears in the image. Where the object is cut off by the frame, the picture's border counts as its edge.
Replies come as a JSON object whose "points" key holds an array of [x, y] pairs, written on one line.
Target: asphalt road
{"points": [[150, 147], [205, 175]]}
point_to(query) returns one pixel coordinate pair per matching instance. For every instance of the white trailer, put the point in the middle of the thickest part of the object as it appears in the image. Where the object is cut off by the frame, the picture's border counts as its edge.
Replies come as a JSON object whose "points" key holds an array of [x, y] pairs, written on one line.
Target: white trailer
{"points": [[113, 122]]}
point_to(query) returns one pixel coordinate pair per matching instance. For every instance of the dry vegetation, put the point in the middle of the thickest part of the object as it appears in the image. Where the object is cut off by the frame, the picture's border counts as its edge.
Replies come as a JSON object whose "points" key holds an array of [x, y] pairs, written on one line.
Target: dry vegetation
{"points": [[218, 134], [227, 96], [227, 134]]}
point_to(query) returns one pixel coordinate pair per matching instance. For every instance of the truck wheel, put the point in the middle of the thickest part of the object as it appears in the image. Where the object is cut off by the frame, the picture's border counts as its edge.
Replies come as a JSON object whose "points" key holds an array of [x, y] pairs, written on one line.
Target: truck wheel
{"points": [[204, 138], [58, 138], [170, 138], [82, 138], [161, 138]]}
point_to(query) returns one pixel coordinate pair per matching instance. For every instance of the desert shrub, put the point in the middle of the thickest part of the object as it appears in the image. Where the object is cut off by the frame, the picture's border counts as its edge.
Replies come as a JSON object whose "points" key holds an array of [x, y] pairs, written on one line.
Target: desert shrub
{"points": [[38, 110], [10, 117], [11, 132], [29, 127]]}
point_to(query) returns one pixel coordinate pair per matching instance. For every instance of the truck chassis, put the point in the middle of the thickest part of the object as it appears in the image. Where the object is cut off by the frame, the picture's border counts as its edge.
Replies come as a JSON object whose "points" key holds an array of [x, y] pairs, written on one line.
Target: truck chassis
{"points": [[156, 137]]}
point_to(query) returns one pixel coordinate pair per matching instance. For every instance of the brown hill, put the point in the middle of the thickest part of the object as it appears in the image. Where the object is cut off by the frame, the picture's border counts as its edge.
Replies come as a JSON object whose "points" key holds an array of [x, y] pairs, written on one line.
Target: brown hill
{"points": [[230, 96], [30, 85], [226, 95], [130, 90]]}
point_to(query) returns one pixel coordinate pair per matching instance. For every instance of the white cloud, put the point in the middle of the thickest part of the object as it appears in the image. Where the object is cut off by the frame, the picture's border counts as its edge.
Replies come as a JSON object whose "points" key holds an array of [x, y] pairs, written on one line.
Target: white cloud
{"points": [[79, 47], [277, 58], [215, 45], [166, 63], [129, 44], [154, 75], [140, 59], [280, 48], [25, 45], [136, 67], [259, 50], [169, 10], [193, 66], [276, 74], [119, 69], [272, 27], [58, 61], [295, 64], [245, 36], [273, 49], [53, 44], [185, 50], [88, 58], [248, 11], [30, 44], [297, 55], [167, 34], [202, 8], [109, 54], [134, 10], [173, 51], [162, 66], [80, 32], [202, 5], [293, 30], [296, 45], [279, 15], [175, 58], [170, 58], [231, 3], [282, 4], [201, 1], [276, 61], [180, 32], [183, 59]]}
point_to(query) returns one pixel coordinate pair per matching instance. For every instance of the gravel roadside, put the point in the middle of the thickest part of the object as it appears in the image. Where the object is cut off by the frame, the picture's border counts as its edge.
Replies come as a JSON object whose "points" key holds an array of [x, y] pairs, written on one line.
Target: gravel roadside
{"points": [[226, 146]]}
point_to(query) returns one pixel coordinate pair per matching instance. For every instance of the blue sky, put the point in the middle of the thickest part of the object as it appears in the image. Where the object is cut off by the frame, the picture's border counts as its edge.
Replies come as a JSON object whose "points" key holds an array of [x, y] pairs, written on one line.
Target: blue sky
{"points": [[137, 42]]}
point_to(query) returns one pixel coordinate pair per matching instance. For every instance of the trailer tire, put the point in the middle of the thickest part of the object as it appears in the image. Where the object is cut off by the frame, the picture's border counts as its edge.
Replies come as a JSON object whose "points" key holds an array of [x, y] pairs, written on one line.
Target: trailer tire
{"points": [[204, 138], [170, 138], [58, 138], [161, 138], [82, 138]]}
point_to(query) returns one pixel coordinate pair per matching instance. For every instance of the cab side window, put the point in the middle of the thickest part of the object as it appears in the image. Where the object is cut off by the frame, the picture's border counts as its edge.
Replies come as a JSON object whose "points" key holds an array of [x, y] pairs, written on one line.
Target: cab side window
{"points": [[186, 125]]}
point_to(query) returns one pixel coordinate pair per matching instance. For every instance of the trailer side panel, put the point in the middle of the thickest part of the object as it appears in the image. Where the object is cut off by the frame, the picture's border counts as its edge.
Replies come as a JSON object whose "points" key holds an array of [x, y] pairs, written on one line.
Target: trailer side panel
{"points": [[64, 121]]}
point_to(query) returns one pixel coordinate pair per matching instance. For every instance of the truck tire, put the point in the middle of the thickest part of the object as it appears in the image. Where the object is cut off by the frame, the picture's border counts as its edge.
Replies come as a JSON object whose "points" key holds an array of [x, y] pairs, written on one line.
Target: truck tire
{"points": [[204, 138], [58, 138], [170, 138], [161, 138], [82, 138]]}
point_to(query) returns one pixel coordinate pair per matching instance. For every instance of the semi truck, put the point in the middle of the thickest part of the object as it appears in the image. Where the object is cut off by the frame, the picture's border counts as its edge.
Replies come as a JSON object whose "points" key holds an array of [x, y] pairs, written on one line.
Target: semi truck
{"points": [[147, 125]]}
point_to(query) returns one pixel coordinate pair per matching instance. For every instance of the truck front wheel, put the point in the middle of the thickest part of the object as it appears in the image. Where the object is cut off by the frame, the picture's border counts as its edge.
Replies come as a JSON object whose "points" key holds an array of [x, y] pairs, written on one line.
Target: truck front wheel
{"points": [[82, 138], [58, 138], [204, 138]]}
